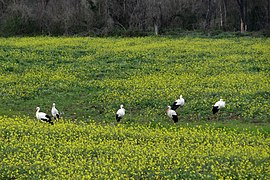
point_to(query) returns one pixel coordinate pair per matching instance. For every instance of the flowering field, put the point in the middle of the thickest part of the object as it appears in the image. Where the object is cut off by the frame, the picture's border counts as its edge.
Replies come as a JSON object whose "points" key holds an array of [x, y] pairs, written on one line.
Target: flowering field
{"points": [[34, 150], [88, 79]]}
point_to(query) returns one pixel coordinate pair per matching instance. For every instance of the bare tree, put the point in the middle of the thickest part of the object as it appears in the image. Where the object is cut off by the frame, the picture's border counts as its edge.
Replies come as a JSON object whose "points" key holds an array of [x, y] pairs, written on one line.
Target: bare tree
{"points": [[138, 15], [155, 8], [223, 13], [242, 10], [268, 12], [109, 16], [208, 15]]}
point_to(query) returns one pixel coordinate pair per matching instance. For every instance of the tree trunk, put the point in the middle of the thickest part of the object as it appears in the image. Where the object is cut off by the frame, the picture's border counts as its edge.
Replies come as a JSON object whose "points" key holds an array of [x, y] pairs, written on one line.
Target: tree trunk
{"points": [[157, 16], [268, 12], [124, 7], [208, 15], [242, 15], [108, 17], [221, 16], [246, 14], [225, 14], [42, 23], [156, 28], [242, 25]]}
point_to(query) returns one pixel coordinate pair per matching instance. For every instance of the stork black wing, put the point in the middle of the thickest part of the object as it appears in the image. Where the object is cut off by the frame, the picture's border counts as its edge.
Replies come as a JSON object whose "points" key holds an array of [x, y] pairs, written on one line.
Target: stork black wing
{"points": [[215, 109], [175, 118], [174, 106]]}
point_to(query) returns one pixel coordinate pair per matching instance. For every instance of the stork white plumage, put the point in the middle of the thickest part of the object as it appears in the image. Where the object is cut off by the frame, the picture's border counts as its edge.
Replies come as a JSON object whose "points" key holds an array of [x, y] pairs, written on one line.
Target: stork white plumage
{"points": [[178, 102], [55, 112], [219, 104], [43, 116], [120, 113], [172, 114]]}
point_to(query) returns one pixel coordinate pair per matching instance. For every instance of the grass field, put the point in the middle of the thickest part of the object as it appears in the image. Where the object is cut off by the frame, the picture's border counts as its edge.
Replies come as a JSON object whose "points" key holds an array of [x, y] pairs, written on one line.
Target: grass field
{"points": [[34, 150], [88, 79], [91, 77]]}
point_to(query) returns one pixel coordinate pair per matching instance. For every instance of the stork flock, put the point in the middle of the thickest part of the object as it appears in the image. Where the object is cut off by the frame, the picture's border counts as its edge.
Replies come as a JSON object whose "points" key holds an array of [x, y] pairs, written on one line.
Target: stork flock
{"points": [[45, 117], [171, 111], [180, 103]]}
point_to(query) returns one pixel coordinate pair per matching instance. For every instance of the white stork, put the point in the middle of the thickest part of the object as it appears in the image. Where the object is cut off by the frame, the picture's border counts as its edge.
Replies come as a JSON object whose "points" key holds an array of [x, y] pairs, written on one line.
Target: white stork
{"points": [[43, 116], [55, 112], [172, 114], [178, 102], [219, 104], [120, 113]]}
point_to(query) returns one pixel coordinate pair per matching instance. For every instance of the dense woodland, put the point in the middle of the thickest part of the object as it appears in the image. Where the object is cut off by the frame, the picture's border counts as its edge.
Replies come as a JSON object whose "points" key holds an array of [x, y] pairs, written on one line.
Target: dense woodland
{"points": [[131, 17]]}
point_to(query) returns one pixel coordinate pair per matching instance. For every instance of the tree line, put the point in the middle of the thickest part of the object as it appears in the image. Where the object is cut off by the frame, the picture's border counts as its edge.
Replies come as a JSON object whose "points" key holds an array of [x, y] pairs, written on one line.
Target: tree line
{"points": [[131, 17]]}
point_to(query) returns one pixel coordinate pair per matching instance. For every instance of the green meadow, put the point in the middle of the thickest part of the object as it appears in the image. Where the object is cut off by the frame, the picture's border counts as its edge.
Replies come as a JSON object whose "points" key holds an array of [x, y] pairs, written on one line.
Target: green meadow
{"points": [[88, 78]]}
